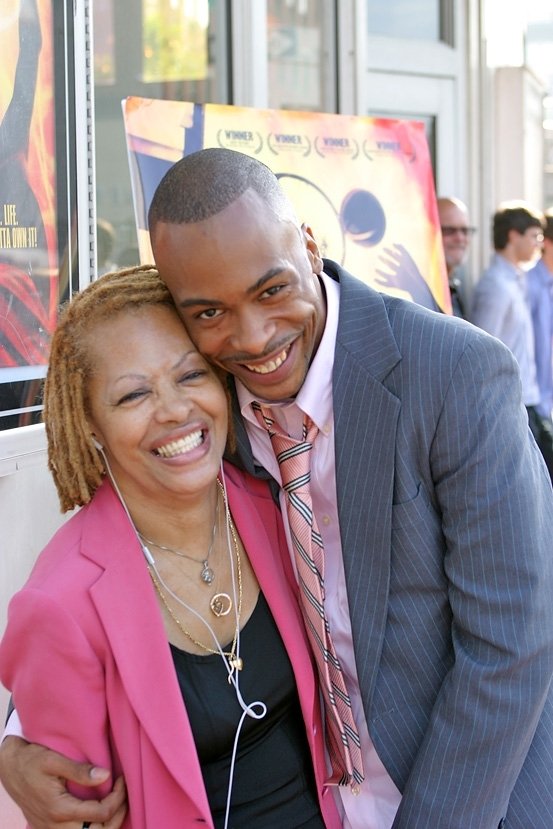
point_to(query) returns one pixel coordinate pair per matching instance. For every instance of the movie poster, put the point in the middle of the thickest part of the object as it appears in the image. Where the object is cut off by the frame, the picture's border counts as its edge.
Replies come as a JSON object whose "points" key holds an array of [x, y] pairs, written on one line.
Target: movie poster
{"points": [[28, 243], [29, 263], [364, 185]]}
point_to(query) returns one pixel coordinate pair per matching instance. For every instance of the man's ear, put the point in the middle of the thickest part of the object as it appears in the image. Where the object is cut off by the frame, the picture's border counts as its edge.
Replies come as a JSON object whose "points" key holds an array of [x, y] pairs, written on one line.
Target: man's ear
{"points": [[513, 236], [312, 249]]}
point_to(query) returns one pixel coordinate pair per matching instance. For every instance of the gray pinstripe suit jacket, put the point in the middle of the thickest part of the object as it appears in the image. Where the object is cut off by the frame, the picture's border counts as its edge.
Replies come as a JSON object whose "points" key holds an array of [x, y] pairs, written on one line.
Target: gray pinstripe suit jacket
{"points": [[446, 518]]}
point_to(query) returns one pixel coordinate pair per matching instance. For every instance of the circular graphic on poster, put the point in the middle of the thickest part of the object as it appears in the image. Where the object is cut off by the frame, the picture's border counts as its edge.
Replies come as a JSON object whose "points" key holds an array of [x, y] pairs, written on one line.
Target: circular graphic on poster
{"points": [[363, 218], [315, 209]]}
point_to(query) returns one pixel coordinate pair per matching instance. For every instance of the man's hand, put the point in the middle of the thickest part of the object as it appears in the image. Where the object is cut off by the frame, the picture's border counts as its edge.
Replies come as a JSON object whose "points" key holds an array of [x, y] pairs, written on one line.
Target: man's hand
{"points": [[34, 777]]}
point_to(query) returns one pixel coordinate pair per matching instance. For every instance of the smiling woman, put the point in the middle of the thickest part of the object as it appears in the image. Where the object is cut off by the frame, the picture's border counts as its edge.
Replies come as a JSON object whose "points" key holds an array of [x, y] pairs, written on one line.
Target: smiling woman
{"points": [[171, 545], [155, 405]]}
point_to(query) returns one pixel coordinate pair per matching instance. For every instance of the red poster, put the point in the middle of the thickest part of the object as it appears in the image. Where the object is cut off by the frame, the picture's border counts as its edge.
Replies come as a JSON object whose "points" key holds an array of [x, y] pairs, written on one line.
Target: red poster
{"points": [[28, 235]]}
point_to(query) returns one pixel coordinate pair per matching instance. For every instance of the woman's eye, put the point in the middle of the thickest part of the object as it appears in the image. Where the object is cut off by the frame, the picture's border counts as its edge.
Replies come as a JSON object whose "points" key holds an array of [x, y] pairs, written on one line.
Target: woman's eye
{"points": [[132, 395], [192, 375]]}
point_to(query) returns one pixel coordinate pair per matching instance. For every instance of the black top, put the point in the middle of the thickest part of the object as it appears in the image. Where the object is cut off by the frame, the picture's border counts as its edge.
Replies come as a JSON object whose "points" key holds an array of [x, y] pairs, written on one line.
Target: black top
{"points": [[273, 784]]}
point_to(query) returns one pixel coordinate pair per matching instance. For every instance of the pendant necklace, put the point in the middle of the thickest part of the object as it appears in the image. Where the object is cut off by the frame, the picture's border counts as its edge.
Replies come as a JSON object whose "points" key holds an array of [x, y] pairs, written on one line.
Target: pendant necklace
{"points": [[207, 575], [219, 600]]}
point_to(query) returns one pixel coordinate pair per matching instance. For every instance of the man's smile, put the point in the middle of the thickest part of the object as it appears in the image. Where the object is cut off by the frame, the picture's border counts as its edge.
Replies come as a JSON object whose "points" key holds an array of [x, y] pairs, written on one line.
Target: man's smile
{"points": [[270, 365]]}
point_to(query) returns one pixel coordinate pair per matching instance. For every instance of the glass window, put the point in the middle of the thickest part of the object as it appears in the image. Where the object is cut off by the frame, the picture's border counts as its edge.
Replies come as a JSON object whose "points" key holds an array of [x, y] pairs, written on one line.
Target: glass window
{"points": [[104, 51], [175, 41], [539, 42], [301, 55], [37, 198], [416, 19], [168, 49]]}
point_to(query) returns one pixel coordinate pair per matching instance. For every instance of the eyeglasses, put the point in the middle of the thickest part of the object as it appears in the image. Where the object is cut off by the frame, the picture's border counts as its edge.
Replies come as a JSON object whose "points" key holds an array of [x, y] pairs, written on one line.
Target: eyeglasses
{"points": [[450, 230], [535, 235]]}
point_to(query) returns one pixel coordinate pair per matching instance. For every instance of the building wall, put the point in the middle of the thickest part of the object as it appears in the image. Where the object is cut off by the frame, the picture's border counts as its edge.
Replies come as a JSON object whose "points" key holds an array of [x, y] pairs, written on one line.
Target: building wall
{"points": [[29, 515], [518, 135]]}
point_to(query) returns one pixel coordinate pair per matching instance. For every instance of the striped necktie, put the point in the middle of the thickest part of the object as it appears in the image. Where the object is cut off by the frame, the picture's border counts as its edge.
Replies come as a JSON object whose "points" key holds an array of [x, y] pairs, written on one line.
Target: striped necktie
{"points": [[293, 458]]}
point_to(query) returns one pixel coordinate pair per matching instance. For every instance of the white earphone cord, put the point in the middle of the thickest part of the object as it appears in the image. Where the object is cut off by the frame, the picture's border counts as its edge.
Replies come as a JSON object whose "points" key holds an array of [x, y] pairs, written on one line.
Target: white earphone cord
{"points": [[256, 710]]}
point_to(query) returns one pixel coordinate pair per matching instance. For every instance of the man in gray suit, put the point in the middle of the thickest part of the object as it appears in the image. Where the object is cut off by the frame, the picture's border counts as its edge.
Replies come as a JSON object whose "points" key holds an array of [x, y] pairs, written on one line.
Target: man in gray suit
{"points": [[434, 504]]}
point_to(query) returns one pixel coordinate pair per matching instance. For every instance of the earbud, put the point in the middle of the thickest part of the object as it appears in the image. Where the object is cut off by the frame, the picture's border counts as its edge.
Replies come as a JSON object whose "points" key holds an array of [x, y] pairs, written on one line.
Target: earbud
{"points": [[148, 555], [97, 444]]}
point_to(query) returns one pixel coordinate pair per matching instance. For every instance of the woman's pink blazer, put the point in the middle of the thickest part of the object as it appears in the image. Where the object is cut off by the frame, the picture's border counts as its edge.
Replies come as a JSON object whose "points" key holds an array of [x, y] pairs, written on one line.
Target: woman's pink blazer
{"points": [[86, 656]]}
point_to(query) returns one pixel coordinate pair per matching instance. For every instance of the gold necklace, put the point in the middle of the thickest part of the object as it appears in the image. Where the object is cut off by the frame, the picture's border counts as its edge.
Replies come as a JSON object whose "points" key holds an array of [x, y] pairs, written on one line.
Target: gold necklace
{"points": [[234, 661], [207, 575], [221, 603]]}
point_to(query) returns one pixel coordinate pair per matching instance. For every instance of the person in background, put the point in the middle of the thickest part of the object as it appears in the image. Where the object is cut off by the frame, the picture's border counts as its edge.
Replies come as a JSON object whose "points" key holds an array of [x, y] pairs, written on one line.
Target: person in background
{"points": [[500, 303], [540, 299], [159, 633], [428, 503], [456, 234]]}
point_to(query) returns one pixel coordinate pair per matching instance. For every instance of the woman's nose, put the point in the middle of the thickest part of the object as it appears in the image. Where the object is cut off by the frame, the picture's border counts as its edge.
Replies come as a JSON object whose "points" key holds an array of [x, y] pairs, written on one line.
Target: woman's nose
{"points": [[172, 403]]}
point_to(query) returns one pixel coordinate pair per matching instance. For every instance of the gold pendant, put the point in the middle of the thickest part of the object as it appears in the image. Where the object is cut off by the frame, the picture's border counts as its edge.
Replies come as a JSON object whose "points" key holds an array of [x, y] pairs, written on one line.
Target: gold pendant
{"points": [[236, 664], [221, 604]]}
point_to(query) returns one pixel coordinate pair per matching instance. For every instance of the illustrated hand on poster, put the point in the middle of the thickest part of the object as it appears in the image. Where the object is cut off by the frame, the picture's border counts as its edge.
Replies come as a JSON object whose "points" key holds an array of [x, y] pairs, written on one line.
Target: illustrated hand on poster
{"points": [[402, 272]]}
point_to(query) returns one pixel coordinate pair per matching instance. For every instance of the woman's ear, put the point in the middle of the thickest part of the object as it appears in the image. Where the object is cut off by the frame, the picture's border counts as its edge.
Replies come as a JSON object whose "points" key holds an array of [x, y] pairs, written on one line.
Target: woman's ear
{"points": [[96, 439]]}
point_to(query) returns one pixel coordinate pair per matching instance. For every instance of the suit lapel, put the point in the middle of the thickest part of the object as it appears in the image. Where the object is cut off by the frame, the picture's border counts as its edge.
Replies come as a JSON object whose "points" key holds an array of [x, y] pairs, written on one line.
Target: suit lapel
{"points": [[126, 603], [366, 415]]}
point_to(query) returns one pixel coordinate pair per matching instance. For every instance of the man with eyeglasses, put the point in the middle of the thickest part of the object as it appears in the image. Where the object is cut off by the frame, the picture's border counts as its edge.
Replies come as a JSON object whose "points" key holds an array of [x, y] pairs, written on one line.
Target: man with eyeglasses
{"points": [[456, 234], [500, 302]]}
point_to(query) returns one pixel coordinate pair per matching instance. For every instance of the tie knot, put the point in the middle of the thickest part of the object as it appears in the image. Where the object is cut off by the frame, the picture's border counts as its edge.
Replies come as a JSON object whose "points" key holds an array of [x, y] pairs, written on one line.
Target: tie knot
{"points": [[266, 419], [293, 455]]}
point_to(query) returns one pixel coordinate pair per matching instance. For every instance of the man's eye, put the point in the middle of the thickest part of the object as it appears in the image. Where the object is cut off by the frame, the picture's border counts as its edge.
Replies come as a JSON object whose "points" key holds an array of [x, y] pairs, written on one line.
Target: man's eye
{"points": [[210, 313], [275, 289]]}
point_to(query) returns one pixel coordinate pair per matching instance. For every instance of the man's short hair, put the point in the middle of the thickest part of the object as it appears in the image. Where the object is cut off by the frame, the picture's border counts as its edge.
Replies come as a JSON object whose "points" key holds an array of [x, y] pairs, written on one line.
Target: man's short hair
{"points": [[513, 216], [203, 183]]}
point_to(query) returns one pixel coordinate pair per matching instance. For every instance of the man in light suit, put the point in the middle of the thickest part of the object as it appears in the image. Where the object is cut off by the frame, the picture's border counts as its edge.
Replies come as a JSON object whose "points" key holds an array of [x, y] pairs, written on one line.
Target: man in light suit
{"points": [[433, 501]]}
